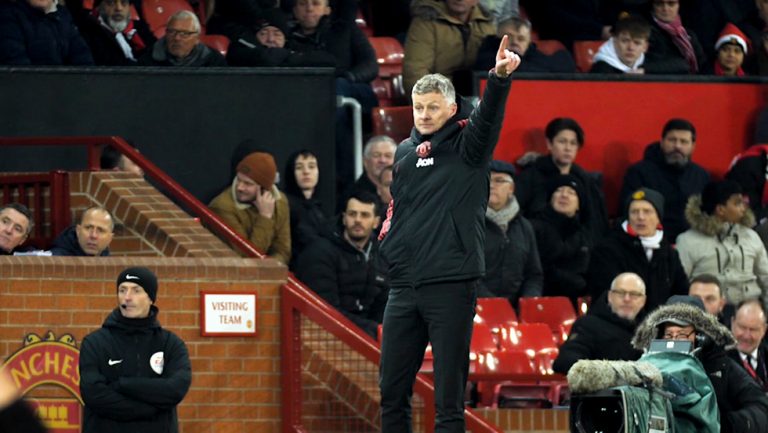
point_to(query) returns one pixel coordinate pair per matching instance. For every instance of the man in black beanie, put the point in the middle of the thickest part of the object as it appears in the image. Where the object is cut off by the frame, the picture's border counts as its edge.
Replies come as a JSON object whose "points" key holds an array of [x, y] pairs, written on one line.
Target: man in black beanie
{"points": [[133, 373], [721, 242]]}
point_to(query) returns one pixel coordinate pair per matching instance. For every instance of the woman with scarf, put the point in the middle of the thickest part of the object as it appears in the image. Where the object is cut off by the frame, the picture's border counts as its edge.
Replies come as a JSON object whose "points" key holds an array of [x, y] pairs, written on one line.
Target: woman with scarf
{"points": [[512, 266], [638, 245], [673, 49], [564, 239], [302, 176]]}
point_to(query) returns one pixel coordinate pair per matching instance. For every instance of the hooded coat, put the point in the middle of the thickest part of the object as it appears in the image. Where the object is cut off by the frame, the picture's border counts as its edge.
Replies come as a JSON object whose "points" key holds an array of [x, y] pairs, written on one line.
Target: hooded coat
{"points": [[743, 406], [133, 375], [600, 334], [271, 235], [68, 245], [676, 184], [732, 252]]}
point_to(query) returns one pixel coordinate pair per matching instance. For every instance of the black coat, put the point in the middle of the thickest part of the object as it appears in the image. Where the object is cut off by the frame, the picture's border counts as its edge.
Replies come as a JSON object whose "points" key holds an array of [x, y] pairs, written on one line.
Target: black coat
{"points": [[742, 404], [204, 56], [351, 281], [532, 61], [619, 252], [601, 334], [66, 244], [29, 36], [354, 55], [437, 228], [104, 47], [749, 172], [512, 265], [564, 247], [308, 221], [675, 184], [531, 192], [663, 56], [246, 50], [122, 390]]}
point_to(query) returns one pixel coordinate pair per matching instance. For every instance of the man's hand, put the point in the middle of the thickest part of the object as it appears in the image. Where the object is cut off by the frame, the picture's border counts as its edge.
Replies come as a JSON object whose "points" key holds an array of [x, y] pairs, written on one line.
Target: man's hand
{"points": [[265, 203], [506, 61]]}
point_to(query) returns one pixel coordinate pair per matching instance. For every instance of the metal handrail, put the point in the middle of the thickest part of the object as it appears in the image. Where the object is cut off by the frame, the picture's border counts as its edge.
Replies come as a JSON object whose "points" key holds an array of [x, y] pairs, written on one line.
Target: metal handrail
{"points": [[178, 192], [296, 296]]}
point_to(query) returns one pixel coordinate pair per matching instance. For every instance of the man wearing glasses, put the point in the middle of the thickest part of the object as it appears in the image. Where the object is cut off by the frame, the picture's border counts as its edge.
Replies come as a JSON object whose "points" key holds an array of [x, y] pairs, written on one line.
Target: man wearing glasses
{"points": [[181, 45], [743, 406], [607, 329]]}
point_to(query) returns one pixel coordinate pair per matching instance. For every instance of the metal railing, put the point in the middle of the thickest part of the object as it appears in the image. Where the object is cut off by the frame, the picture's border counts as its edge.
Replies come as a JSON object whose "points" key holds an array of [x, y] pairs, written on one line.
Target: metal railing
{"points": [[330, 372], [194, 206]]}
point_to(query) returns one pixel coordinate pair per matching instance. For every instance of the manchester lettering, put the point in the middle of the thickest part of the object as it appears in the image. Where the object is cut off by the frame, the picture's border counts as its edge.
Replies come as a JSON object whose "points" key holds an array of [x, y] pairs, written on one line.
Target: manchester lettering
{"points": [[45, 362]]}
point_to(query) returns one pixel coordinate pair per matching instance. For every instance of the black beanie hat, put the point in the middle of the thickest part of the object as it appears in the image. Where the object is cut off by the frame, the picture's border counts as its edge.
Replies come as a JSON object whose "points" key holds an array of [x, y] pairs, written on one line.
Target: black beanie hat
{"points": [[651, 196], [718, 192], [566, 180], [141, 276], [273, 18]]}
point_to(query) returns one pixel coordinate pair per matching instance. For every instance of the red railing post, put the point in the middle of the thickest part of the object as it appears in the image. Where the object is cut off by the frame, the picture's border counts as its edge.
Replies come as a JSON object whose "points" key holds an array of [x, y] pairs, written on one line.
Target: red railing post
{"points": [[61, 216], [290, 348]]}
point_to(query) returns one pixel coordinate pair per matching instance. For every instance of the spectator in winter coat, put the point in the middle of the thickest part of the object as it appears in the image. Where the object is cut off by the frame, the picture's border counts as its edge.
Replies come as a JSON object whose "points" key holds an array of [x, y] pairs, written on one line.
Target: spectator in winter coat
{"points": [[673, 49], [39, 32], [624, 52], [343, 265], [564, 140], [181, 45], [721, 242], [302, 177], [90, 237], [519, 32], [255, 208], [751, 352], [113, 37], [638, 245], [512, 265], [606, 331], [667, 168]]}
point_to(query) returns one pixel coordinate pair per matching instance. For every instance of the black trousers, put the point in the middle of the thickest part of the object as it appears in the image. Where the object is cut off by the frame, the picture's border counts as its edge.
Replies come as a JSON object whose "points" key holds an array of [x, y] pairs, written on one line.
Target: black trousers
{"points": [[439, 313]]}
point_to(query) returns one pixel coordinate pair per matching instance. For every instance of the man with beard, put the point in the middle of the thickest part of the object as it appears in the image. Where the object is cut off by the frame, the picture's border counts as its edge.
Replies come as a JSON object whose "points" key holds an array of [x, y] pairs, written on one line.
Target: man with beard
{"points": [[181, 45], [255, 208], [342, 265], [667, 168], [114, 38]]}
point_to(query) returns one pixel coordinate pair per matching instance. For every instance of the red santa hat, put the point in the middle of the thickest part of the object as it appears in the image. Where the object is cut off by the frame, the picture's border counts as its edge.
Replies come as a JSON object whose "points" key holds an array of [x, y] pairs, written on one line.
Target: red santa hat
{"points": [[732, 35]]}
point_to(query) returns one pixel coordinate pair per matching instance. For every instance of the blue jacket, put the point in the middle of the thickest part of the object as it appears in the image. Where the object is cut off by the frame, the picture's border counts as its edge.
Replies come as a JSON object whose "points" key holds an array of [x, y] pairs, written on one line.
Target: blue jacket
{"points": [[29, 36]]}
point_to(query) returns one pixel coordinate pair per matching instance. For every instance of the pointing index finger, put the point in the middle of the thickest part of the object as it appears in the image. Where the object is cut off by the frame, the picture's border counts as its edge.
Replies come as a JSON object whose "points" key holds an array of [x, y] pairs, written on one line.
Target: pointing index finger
{"points": [[502, 46]]}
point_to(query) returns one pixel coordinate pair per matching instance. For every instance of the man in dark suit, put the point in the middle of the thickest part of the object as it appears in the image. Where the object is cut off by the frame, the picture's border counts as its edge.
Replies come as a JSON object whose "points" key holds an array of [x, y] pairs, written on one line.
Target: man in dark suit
{"points": [[749, 328]]}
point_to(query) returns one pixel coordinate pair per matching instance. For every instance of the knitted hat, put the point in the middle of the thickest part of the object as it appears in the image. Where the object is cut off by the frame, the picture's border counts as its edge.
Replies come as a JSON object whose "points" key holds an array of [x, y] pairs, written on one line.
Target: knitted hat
{"points": [[142, 277], [273, 18], [732, 35], [498, 166], [651, 196], [261, 167], [716, 193], [566, 180]]}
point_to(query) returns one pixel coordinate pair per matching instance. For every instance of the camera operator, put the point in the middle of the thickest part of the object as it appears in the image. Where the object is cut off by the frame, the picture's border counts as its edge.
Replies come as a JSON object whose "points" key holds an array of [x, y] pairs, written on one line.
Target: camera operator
{"points": [[743, 406]]}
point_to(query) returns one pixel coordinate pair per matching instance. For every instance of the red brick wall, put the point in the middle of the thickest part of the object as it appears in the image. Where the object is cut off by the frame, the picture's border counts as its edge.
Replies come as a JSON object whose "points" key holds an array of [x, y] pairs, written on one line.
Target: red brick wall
{"points": [[236, 381]]}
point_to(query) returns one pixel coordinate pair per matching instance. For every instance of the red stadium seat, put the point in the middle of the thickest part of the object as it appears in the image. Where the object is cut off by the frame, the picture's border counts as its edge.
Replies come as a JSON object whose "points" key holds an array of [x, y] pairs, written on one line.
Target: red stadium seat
{"points": [[497, 313], [512, 393], [550, 46], [535, 339], [157, 12], [583, 52], [555, 311], [389, 55], [395, 122], [217, 42]]}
